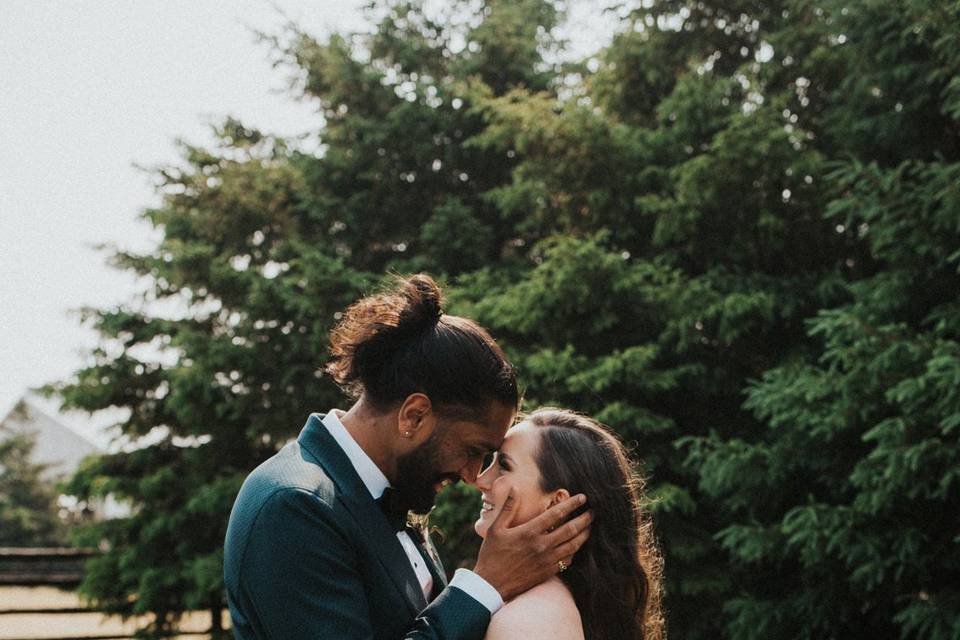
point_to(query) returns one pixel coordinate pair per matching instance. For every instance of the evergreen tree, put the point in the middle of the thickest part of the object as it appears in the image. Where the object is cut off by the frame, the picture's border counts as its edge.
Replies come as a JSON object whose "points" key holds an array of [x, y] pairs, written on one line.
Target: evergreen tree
{"points": [[29, 514], [840, 516]]}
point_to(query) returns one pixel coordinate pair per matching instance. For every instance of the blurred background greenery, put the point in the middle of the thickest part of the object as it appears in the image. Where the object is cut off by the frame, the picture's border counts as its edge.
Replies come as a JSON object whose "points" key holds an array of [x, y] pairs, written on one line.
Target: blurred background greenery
{"points": [[733, 235]]}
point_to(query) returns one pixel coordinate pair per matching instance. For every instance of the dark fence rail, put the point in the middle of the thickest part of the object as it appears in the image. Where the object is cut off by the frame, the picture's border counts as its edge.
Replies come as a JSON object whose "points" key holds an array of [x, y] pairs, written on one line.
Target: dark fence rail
{"points": [[55, 566], [62, 568]]}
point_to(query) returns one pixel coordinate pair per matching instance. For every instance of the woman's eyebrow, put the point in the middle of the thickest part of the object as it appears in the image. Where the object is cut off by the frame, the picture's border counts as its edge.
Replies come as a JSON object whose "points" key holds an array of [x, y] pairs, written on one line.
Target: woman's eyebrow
{"points": [[501, 454]]}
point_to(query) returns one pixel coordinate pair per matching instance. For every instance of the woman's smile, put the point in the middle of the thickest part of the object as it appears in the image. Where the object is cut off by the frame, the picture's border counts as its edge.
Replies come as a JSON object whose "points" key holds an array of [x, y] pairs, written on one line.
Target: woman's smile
{"points": [[486, 506]]}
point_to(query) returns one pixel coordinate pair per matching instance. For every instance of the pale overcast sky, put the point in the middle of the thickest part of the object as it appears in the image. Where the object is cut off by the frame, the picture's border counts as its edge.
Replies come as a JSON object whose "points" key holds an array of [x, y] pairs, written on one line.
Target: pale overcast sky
{"points": [[87, 90]]}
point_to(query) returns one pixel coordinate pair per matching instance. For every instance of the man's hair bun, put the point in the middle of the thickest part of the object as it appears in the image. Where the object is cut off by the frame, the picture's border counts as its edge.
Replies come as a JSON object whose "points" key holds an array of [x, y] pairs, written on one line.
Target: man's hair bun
{"points": [[374, 326], [423, 303], [398, 342]]}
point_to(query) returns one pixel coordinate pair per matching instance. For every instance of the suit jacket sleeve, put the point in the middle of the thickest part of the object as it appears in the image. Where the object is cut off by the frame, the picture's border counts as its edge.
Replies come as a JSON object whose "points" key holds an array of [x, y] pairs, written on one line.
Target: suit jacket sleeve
{"points": [[300, 575]]}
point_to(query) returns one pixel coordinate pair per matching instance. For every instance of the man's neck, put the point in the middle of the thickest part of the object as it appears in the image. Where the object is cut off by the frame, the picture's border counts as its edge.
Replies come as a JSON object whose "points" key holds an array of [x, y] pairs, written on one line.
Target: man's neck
{"points": [[371, 430]]}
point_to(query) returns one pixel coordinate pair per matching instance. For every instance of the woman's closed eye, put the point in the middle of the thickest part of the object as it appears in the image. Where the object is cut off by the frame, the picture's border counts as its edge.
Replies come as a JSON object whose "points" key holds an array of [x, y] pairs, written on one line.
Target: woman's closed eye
{"points": [[495, 458], [488, 459]]}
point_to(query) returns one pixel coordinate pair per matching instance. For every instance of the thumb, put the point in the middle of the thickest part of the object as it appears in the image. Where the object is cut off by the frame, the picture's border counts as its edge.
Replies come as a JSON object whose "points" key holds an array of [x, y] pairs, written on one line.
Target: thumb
{"points": [[507, 512]]}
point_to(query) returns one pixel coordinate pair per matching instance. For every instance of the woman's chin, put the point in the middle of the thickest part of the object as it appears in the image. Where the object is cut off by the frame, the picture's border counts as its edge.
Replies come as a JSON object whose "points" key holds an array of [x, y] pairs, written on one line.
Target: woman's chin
{"points": [[481, 526]]}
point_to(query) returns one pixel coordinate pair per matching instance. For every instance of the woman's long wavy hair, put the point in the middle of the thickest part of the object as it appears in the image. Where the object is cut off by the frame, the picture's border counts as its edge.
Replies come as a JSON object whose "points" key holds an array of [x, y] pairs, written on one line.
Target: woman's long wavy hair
{"points": [[615, 578]]}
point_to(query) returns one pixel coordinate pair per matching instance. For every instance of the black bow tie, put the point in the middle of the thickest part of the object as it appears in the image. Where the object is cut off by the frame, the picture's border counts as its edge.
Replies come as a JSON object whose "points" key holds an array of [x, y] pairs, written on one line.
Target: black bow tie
{"points": [[394, 508]]}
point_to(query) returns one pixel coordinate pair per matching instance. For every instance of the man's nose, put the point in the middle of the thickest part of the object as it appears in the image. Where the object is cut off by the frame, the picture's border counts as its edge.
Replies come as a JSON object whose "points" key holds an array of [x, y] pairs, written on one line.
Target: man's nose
{"points": [[471, 472]]}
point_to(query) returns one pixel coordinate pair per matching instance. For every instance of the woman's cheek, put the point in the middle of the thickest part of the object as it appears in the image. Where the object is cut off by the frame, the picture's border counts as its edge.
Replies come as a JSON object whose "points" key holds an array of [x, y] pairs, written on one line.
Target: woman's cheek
{"points": [[500, 489]]}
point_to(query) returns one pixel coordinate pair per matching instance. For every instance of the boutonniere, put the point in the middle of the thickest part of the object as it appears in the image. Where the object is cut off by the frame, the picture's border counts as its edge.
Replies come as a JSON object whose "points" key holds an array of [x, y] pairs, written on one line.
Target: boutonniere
{"points": [[419, 523]]}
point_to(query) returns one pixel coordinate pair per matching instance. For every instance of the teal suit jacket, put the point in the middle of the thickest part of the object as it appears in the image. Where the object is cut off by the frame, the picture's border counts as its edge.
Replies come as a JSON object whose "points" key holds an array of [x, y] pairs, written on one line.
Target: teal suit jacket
{"points": [[309, 555]]}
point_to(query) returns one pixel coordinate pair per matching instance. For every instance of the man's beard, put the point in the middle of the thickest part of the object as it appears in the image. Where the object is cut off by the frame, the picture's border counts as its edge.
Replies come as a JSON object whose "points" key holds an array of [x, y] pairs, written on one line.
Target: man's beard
{"points": [[417, 475]]}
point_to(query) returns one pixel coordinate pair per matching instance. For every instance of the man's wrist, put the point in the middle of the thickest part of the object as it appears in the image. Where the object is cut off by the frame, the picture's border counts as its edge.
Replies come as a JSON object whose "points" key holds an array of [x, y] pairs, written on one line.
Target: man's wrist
{"points": [[478, 589]]}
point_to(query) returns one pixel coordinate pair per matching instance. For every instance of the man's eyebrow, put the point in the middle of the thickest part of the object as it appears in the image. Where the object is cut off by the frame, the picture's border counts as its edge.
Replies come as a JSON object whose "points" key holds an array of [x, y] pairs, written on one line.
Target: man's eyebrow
{"points": [[483, 447]]}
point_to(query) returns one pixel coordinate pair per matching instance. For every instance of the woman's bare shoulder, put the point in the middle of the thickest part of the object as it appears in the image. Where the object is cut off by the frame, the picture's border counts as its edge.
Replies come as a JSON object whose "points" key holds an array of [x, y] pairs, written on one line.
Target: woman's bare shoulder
{"points": [[546, 611]]}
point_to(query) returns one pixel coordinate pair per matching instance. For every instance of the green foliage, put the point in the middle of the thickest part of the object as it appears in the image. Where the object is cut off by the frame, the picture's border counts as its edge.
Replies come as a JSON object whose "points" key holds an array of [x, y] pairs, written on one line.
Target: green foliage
{"points": [[867, 432], [733, 237], [29, 515]]}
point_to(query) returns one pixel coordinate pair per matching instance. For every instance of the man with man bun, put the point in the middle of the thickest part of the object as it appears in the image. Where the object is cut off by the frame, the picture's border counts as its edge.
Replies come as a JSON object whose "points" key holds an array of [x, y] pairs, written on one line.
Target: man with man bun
{"points": [[318, 544]]}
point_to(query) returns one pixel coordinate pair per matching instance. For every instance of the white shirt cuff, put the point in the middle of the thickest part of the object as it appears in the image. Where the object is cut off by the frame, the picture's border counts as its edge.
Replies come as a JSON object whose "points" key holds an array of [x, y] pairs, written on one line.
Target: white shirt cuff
{"points": [[478, 589]]}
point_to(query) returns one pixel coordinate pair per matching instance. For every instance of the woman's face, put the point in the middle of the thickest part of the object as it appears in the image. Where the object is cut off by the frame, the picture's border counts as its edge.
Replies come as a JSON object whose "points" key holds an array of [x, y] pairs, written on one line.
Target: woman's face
{"points": [[514, 467]]}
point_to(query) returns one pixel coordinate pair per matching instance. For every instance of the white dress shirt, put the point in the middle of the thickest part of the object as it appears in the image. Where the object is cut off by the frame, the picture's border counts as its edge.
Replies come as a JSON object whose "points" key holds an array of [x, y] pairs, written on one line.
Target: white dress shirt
{"points": [[375, 482]]}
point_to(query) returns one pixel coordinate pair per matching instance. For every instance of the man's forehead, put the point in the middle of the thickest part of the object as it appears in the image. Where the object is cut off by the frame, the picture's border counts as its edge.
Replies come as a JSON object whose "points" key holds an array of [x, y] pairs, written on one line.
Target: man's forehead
{"points": [[492, 443], [482, 435], [484, 430]]}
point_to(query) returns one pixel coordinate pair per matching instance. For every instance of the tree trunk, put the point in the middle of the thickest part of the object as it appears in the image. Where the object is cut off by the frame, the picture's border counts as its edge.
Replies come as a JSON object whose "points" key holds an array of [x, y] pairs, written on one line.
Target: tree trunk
{"points": [[216, 623]]}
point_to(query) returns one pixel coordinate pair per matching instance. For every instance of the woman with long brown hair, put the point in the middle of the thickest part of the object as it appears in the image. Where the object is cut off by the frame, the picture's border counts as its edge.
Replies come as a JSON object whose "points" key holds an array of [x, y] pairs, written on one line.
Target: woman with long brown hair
{"points": [[610, 590]]}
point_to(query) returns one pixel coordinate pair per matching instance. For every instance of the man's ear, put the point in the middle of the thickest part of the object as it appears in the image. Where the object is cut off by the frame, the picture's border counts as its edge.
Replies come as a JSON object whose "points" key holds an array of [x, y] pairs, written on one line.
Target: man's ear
{"points": [[415, 419]]}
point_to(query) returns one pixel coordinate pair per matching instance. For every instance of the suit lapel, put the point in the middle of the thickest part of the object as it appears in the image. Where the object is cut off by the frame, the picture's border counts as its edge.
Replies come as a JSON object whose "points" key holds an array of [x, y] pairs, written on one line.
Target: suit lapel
{"points": [[316, 439]]}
